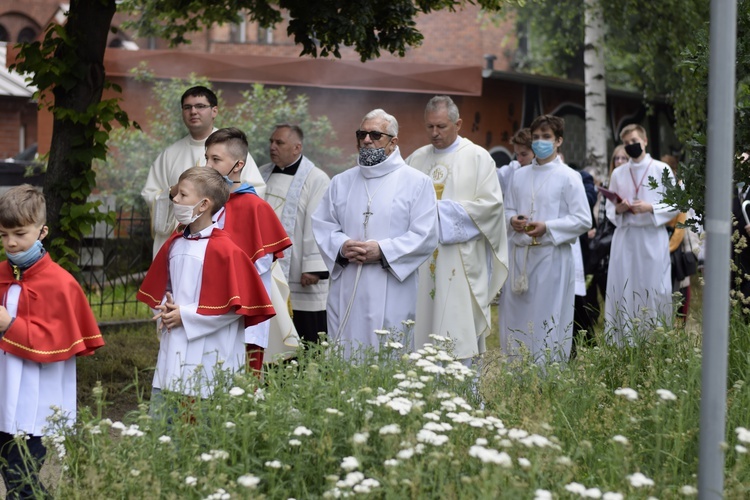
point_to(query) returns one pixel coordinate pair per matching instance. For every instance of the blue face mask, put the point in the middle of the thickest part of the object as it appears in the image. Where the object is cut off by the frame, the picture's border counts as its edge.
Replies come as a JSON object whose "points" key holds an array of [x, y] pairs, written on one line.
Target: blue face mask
{"points": [[27, 258], [543, 149]]}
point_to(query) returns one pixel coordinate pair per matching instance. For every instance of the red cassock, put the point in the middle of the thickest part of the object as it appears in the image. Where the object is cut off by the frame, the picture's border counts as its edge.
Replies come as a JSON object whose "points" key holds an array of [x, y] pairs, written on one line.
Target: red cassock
{"points": [[229, 282], [54, 321], [254, 226]]}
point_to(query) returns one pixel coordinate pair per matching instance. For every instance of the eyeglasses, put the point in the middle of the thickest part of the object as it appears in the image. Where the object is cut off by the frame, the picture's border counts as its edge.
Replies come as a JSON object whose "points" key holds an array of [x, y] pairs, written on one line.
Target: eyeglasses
{"points": [[374, 135], [198, 107]]}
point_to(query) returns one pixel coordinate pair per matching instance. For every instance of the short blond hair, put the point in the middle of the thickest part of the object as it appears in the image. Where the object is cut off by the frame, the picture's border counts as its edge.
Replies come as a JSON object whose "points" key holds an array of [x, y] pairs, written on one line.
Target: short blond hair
{"points": [[633, 127], [210, 184], [21, 206]]}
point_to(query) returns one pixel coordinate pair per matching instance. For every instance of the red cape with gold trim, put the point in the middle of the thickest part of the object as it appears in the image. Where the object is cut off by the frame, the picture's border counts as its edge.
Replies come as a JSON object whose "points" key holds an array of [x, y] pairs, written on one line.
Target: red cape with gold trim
{"points": [[54, 321], [229, 282], [254, 226]]}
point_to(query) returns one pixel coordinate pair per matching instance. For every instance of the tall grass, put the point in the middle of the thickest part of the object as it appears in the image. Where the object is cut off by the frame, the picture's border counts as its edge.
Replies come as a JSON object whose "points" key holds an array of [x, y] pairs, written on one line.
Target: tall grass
{"points": [[614, 423]]}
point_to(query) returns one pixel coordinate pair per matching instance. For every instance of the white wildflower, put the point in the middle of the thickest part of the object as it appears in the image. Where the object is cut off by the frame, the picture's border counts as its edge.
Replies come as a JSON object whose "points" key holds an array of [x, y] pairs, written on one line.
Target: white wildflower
{"points": [[620, 439], [350, 463], [637, 480], [360, 437], [248, 481], [135, 472], [430, 437], [743, 435], [334, 411], [688, 490], [165, 439], [488, 455], [295, 442], [405, 454], [391, 462], [740, 449], [229, 425], [302, 431], [401, 405], [236, 391], [525, 463], [666, 395], [274, 464], [611, 495], [627, 393], [390, 429], [576, 488], [191, 481], [542, 495]]}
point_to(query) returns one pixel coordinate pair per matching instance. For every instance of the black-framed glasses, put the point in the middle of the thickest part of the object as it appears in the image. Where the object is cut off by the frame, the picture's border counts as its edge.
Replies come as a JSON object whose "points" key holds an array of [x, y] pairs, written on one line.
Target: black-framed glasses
{"points": [[374, 135], [198, 107]]}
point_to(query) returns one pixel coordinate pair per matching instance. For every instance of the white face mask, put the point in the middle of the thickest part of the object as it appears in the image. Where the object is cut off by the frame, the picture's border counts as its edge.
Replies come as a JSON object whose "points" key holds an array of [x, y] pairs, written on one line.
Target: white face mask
{"points": [[184, 213]]}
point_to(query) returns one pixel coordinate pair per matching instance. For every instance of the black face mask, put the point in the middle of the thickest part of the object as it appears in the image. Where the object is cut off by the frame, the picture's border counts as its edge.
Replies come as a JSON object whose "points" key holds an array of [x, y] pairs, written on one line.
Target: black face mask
{"points": [[634, 150]]}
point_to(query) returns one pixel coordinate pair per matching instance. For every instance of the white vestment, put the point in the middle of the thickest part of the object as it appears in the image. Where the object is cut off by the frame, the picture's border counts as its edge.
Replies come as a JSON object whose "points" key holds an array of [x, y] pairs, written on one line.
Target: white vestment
{"points": [[505, 175], [537, 309], [304, 256], [457, 285], [639, 283], [165, 172], [402, 219], [28, 388], [189, 354]]}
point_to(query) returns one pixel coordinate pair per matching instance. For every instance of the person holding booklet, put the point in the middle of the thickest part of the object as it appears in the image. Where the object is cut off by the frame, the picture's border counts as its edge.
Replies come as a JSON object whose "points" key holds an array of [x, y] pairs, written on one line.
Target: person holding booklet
{"points": [[639, 285]]}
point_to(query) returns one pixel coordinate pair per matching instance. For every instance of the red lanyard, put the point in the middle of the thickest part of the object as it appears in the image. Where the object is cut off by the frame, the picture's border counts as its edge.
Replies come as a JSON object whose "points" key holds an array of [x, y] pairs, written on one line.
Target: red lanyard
{"points": [[638, 186]]}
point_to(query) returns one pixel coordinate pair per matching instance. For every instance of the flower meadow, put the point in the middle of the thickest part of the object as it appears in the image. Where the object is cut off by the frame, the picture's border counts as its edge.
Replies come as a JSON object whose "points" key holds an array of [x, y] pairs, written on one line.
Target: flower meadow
{"points": [[615, 423]]}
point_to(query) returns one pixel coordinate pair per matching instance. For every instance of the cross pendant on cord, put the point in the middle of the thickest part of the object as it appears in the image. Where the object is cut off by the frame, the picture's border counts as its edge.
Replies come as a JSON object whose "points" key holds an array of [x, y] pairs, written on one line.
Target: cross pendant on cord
{"points": [[367, 219]]}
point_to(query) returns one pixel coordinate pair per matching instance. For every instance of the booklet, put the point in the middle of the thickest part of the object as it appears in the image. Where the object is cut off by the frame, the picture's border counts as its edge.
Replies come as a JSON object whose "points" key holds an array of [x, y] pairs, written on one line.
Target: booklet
{"points": [[610, 195]]}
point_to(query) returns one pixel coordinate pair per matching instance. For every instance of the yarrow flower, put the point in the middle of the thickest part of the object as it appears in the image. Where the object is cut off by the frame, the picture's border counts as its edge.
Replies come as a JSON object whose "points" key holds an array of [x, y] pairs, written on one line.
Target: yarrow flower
{"points": [[360, 437], [611, 495], [295, 442], [627, 393], [274, 464], [191, 481], [638, 480], [165, 439], [302, 431], [542, 495], [248, 481], [620, 439], [236, 391], [666, 395], [390, 429], [743, 435], [350, 463], [488, 455], [688, 490]]}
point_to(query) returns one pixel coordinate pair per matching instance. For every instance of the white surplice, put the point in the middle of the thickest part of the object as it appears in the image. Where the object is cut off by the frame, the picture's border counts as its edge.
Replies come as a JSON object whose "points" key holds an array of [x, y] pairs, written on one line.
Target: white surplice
{"points": [[536, 309], [28, 389], [190, 354], [403, 220], [166, 171], [639, 283], [505, 175], [457, 285], [304, 256]]}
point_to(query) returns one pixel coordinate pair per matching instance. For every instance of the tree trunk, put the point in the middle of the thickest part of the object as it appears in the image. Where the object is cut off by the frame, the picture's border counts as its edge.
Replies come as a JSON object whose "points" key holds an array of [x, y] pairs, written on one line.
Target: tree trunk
{"points": [[596, 88], [69, 165]]}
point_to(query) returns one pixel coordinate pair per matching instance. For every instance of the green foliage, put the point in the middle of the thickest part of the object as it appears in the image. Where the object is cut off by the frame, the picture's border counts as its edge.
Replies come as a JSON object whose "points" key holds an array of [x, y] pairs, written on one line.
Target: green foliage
{"points": [[570, 424], [320, 27], [55, 66], [134, 150]]}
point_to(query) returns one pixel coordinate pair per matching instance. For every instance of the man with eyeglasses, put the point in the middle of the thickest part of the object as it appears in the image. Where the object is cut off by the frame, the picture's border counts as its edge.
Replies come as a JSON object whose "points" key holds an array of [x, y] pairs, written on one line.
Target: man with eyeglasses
{"points": [[199, 109], [463, 276], [376, 224]]}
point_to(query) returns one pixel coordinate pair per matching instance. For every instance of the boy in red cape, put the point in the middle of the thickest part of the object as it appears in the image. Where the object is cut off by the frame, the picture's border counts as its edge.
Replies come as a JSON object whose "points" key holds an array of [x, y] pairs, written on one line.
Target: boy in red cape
{"points": [[45, 322], [205, 291], [250, 221]]}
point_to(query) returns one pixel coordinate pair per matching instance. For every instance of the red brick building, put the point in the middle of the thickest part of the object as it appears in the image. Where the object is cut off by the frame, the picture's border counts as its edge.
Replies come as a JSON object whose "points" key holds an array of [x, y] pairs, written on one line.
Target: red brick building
{"points": [[493, 102]]}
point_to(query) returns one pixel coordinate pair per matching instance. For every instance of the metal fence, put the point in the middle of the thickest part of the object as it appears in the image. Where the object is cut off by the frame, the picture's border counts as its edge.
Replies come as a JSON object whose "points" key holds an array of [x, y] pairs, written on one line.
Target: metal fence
{"points": [[113, 262]]}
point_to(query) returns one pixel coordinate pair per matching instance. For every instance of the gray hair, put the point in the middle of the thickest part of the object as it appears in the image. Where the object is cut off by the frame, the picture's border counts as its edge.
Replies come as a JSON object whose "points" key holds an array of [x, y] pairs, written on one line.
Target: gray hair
{"points": [[443, 101], [391, 128], [294, 129]]}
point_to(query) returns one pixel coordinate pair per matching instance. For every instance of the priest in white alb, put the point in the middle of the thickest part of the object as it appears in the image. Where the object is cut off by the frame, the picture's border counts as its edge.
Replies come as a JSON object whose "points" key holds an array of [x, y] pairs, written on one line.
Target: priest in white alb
{"points": [[463, 276], [375, 226]]}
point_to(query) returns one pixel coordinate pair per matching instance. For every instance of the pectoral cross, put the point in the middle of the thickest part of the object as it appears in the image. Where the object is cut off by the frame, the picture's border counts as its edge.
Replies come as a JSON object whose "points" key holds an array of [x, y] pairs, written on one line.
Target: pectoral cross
{"points": [[367, 218]]}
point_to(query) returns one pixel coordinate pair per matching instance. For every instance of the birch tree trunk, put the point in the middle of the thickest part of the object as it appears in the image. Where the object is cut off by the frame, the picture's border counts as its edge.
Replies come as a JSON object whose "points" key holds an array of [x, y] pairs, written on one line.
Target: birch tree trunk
{"points": [[596, 89]]}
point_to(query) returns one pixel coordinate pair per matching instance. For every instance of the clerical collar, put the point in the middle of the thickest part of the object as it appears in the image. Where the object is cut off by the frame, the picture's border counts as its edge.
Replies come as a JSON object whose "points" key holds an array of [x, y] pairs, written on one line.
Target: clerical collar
{"points": [[450, 148], [203, 233], [290, 170]]}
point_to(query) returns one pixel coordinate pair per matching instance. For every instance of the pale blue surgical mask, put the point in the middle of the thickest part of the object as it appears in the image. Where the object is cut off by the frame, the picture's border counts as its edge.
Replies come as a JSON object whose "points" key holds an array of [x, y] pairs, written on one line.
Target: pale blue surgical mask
{"points": [[27, 258], [543, 149]]}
